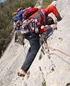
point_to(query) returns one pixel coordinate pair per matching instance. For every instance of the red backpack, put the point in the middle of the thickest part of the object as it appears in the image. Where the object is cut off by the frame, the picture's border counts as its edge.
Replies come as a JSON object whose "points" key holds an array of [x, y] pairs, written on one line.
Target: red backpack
{"points": [[40, 17], [29, 11]]}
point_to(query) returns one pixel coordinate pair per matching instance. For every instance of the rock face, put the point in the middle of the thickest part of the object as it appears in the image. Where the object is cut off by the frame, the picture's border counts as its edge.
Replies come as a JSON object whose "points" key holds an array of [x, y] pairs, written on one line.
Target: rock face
{"points": [[51, 66]]}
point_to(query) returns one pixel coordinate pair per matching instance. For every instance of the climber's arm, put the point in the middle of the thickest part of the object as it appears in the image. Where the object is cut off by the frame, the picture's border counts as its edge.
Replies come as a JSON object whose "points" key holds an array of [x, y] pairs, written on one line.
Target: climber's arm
{"points": [[53, 9]]}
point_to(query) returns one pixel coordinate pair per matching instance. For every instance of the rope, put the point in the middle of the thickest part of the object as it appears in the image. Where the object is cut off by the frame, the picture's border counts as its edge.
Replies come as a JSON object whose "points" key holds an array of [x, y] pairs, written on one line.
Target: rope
{"points": [[53, 49], [49, 56]]}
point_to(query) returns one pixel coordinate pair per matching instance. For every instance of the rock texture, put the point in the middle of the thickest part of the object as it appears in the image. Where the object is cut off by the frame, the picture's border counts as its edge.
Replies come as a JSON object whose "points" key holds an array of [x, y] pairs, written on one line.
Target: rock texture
{"points": [[51, 66]]}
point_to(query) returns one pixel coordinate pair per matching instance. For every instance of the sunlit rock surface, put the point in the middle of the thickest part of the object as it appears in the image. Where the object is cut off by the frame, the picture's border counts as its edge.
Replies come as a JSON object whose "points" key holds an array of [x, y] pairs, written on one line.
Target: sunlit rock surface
{"points": [[51, 67]]}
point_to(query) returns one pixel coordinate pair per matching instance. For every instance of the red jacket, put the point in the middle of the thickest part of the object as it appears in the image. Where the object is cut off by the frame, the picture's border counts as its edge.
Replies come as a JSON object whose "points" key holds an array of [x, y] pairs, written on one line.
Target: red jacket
{"points": [[41, 15], [29, 11]]}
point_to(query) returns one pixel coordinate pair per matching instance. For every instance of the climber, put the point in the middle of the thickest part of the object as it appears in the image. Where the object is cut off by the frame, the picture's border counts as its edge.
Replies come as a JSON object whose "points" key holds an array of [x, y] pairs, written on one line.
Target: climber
{"points": [[20, 15], [38, 25]]}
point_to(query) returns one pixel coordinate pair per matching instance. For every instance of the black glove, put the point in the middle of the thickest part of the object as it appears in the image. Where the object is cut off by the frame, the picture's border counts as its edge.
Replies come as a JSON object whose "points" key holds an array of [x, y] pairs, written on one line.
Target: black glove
{"points": [[59, 18]]}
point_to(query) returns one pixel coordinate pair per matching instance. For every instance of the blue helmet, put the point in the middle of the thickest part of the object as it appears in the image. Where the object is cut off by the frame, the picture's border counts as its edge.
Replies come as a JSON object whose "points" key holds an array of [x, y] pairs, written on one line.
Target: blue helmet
{"points": [[19, 15]]}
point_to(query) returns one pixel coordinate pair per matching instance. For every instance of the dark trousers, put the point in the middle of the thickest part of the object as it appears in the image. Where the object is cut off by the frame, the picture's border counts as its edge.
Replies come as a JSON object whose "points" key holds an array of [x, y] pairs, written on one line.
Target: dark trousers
{"points": [[34, 47]]}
